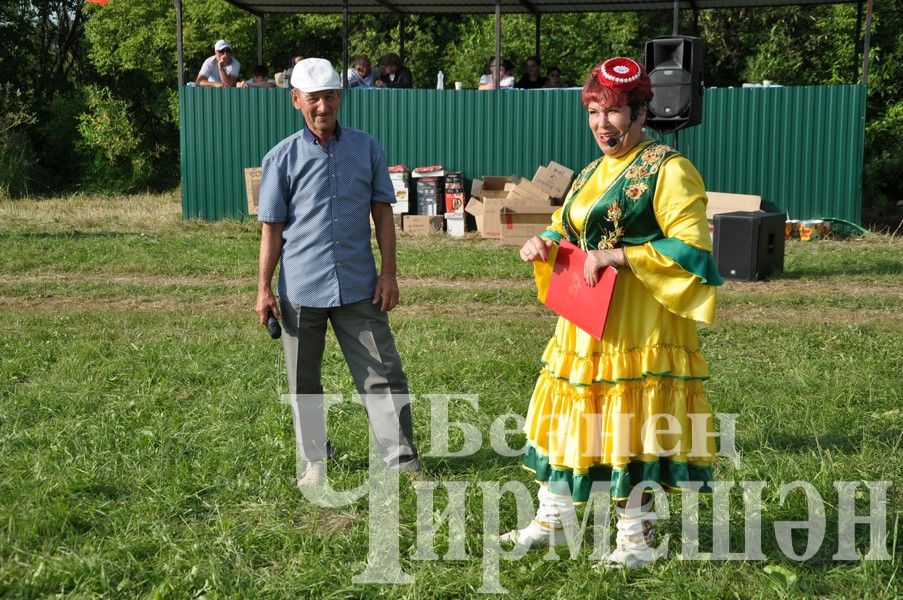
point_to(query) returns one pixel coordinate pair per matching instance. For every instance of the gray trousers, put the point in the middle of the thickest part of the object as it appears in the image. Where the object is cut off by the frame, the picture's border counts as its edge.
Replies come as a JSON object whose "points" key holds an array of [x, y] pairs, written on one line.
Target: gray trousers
{"points": [[369, 348]]}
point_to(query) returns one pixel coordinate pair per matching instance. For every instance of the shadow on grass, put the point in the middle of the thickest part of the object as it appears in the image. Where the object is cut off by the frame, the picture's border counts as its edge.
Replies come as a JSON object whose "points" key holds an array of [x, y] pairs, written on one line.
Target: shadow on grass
{"points": [[69, 235], [485, 459], [875, 266], [839, 442]]}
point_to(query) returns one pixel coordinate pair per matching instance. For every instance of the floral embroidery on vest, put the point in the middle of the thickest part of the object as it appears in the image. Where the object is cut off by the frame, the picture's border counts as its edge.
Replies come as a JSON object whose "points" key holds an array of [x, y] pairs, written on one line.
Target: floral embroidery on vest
{"points": [[611, 237], [622, 210]]}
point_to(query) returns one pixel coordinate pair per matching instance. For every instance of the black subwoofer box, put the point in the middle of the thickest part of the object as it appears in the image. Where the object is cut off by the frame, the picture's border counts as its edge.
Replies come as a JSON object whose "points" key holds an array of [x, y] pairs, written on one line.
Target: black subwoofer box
{"points": [[749, 245]]}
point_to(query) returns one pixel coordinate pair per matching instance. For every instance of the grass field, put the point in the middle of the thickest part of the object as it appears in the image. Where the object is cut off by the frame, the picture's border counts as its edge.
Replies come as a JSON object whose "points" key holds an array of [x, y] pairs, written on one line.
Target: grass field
{"points": [[144, 450]]}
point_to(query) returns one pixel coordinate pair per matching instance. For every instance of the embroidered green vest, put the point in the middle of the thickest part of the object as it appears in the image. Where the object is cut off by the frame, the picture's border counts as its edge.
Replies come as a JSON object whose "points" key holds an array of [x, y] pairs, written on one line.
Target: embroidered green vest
{"points": [[624, 216]]}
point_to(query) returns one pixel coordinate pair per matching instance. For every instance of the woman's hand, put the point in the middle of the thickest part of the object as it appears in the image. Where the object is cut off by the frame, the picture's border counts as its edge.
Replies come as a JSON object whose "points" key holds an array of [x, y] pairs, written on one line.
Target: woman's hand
{"points": [[596, 260], [536, 248]]}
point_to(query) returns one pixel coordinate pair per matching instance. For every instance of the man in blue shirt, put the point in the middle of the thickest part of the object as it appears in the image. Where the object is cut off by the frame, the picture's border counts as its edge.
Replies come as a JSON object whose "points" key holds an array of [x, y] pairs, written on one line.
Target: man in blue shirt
{"points": [[318, 189]]}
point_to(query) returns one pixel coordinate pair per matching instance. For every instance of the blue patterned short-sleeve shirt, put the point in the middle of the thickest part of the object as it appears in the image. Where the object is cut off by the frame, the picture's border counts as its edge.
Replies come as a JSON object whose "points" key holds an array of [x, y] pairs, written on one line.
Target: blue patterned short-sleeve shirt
{"points": [[323, 196]]}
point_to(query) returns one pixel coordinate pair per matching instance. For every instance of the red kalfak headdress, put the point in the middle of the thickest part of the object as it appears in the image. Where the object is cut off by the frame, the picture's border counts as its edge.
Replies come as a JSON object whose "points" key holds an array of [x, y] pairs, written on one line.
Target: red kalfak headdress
{"points": [[620, 74]]}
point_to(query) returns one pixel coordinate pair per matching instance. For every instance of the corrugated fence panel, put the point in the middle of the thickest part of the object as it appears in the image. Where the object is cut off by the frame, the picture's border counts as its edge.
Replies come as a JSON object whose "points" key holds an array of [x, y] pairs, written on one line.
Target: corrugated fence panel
{"points": [[800, 148]]}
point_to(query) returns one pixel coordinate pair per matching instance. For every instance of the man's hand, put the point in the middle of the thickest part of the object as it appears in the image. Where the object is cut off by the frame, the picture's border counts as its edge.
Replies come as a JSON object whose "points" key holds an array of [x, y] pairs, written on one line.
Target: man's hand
{"points": [[536, 248], [266, 303], [386, 292], [596, 260]]}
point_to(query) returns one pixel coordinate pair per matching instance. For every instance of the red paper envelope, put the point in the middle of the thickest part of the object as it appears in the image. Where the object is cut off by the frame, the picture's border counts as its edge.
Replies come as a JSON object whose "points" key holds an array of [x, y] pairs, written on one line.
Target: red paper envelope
{"points": [[571, 297]]}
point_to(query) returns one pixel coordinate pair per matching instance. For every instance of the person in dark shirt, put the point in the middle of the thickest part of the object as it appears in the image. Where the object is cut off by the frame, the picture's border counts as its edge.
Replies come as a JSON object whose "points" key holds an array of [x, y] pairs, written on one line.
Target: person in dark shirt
{"points": [[392, 73], [532, 78], [554, 79]]}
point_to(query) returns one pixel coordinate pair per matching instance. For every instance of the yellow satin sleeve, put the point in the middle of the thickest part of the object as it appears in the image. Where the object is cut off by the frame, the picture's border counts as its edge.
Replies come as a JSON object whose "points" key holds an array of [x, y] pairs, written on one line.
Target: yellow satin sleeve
{"points": [[557, 226], [679, 204]]}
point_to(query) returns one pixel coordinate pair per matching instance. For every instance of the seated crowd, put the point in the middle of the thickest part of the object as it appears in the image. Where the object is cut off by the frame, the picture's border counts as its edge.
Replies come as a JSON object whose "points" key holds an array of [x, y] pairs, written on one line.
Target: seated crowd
{"points": [[222, 70]]}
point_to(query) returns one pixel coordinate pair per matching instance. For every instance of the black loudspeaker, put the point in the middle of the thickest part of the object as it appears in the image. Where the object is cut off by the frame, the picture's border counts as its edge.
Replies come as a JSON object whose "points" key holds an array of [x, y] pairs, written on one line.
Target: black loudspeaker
{"points": [[674, 65], [749, 245]]}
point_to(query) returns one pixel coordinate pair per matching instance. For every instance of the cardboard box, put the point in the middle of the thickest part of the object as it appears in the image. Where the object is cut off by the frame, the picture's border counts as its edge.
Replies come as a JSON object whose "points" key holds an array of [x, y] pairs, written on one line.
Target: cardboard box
{"points": [[491, 187], [517, 226], [554, 180], [490, 194], [423, 224], [252, 189], [526, 196], [475, 209], [454, 192], [430, 196], [401, 182], [720, 202]]}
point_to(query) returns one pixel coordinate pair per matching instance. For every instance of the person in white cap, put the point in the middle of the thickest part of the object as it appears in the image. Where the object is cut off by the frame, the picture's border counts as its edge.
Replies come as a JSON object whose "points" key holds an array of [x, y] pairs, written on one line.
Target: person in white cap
{"points": [[318, 190], [221, 69]]}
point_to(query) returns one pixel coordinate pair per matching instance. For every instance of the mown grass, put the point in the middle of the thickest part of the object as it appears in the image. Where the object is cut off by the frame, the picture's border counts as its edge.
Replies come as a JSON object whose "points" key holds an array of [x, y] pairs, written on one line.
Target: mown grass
{"points": [[145, 451]]}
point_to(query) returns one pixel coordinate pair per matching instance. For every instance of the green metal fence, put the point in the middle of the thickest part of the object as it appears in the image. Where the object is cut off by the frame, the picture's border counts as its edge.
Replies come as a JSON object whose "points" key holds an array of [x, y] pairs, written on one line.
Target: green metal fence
{"points": [[800, 148]]}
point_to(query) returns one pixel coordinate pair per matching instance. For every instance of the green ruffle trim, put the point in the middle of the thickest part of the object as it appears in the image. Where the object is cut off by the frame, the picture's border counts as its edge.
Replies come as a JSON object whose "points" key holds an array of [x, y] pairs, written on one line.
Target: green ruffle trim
{"points": [[696, 261], [563, 481], [551, 234]]}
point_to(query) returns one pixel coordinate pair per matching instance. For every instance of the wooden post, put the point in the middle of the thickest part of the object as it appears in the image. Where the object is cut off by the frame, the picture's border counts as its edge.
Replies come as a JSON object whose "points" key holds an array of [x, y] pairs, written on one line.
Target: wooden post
{"points": [[180, 59]]}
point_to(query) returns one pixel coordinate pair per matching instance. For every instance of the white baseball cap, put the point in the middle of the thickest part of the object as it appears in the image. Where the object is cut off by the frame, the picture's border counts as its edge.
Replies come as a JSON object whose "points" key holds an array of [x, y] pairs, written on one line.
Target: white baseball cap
{"points": [[315, 75], [222, 45]]}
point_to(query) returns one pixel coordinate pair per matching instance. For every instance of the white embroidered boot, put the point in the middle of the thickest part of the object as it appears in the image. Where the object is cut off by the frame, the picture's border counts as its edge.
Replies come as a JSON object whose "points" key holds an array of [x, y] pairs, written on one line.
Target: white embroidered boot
{"points": [[314, 475], [633, 542], [546, 527]]}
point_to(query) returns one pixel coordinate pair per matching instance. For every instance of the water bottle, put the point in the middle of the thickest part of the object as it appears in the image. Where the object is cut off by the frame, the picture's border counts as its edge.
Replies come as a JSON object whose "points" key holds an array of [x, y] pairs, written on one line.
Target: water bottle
{"points": [[440, 81]]}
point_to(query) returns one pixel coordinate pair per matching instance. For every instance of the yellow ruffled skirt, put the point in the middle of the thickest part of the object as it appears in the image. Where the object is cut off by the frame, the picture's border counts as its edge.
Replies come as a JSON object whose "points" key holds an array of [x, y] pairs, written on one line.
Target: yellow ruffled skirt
{"points": [[608, 414]]}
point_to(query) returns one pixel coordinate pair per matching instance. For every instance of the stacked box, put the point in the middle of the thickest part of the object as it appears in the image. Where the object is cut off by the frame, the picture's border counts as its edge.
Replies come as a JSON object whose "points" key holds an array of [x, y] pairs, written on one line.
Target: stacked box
{"points": [[513, 209], [454, 192], [422, 224], [401, 182], [430, 195], [488, 199]]}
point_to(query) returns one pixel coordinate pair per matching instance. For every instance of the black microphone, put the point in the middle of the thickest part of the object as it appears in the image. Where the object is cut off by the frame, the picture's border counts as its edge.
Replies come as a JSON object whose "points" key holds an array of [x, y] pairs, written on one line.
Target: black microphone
{"points": [[614, 141], [273, 326]]}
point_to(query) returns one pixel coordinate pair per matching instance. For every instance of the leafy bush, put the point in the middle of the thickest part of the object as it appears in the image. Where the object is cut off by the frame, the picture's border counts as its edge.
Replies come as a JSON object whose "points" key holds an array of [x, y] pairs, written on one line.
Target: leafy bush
{"points": [[17, 157], [112, 146], [884, 163]]}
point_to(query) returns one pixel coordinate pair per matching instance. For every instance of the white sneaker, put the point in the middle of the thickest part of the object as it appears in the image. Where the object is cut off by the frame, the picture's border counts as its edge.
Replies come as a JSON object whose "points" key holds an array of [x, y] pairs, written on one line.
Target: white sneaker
{"points": [[534, 535], [314, 475]]}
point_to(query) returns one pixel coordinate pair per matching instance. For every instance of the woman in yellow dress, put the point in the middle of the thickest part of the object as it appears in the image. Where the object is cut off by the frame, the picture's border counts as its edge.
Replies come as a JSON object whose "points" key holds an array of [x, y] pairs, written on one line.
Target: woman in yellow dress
{"points": [[609, 414]]}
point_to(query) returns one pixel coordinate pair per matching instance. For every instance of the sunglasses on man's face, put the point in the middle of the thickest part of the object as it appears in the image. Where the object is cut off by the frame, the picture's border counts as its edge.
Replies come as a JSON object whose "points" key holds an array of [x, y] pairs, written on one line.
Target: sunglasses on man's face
{"points": [[224, 51]]}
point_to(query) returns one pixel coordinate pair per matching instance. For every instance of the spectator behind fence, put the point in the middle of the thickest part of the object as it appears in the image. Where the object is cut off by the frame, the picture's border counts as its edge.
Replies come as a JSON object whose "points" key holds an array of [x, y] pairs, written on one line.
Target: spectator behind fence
{"points": [[221, 69], [532, 78], [284, 79], [259, 79], [554, 79], [506, 80], [392, 73], [362, 74]]}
